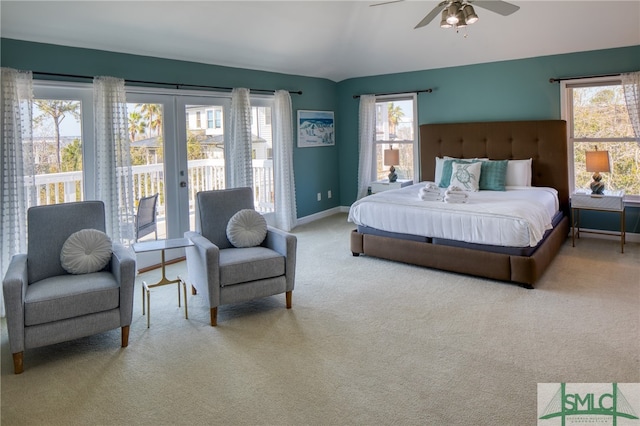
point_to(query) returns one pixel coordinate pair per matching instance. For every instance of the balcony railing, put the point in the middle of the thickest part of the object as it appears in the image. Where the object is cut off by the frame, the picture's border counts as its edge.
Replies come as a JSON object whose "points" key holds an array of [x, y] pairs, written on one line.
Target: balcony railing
{"points": [[54, 188]]}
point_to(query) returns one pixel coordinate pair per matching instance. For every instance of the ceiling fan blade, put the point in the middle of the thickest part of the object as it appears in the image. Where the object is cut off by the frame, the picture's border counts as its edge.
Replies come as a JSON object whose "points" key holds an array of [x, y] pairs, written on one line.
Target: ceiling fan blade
{"points": [[500, 7], [385, 2], [435, 12]]}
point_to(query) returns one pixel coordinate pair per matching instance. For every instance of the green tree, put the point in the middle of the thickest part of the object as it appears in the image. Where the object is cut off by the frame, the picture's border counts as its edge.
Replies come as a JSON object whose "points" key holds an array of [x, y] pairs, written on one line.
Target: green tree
{"points": [[72, 157], [137, 125], [56, 111], [394, 114], [152, 113]]}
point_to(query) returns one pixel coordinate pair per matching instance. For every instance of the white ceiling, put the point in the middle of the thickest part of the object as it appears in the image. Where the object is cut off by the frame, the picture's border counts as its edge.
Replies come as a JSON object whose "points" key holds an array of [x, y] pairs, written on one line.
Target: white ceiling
{"points": [[331, 39]]}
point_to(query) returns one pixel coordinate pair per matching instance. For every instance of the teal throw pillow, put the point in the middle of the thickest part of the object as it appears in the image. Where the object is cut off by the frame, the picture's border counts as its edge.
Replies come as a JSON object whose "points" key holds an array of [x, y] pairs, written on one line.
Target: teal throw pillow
{"points": [[493, 175]]}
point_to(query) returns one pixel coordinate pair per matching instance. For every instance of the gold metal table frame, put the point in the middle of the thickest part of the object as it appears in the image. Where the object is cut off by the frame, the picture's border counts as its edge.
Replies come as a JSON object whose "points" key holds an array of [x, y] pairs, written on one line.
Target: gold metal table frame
{"points": [[162, 246]]}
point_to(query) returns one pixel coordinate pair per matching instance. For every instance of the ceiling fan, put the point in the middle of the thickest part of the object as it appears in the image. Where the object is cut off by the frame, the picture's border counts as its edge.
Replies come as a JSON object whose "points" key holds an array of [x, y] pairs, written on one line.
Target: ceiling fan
{"points": [[458, 14]]}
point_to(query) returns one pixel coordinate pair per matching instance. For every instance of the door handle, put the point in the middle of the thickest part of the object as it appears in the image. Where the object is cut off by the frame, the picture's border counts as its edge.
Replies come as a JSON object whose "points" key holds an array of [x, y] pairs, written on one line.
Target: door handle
{"points": [[183, 184]]}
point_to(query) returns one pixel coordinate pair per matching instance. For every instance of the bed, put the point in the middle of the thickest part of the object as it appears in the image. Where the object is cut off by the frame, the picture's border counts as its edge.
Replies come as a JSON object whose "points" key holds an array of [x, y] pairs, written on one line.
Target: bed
{"points": [[544, 142]]}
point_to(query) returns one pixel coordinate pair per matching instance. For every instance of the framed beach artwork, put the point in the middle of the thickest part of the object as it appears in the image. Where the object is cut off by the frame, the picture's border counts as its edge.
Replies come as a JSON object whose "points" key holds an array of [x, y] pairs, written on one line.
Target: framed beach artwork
{"points": [[316, 128]]}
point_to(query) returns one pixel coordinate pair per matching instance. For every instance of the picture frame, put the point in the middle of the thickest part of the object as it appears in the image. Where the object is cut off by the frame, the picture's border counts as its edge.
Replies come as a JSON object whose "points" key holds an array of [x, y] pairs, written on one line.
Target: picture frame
{"points": [[316, 128]]}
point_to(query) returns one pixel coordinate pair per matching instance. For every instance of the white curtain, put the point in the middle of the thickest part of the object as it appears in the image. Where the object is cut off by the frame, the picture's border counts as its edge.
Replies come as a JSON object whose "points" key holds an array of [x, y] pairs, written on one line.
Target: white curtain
{"points": [[17, 181], [239, 159], [114, 182], [286, 214], [367, 134], [631, 85]]}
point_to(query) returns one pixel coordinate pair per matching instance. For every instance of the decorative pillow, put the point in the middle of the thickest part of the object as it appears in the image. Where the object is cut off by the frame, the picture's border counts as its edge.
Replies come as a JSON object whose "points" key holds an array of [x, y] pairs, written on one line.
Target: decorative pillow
{"points": [[247, 228], [493, 175], [445, 180], [466, 175], [439, 165], [86, 251], [519, 173]]}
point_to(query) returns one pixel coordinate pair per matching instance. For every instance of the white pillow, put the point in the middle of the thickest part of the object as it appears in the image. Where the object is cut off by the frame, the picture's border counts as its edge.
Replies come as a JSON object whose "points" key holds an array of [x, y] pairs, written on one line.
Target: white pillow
{"points": [[518, 173], [247, 228], [86, 251], [466, 175]]}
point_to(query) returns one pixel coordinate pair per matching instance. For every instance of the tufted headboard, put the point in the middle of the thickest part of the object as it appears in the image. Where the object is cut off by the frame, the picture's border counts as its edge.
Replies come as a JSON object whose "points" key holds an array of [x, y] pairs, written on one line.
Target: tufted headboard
{"points": [[544, 141]]}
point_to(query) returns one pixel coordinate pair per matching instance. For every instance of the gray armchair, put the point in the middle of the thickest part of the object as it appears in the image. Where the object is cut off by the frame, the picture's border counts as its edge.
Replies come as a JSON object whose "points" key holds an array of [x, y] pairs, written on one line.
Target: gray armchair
{"points": [[225, 274], [44, 303]]}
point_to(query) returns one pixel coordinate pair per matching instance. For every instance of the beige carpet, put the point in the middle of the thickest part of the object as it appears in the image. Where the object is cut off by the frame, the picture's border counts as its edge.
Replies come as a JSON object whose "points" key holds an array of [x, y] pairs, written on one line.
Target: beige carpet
{"points": [[367, 342]]}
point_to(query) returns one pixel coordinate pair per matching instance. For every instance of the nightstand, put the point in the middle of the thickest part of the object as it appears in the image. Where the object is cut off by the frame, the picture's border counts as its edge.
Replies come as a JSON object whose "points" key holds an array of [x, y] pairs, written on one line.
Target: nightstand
{"points": [[385, 185], [610, 201]]}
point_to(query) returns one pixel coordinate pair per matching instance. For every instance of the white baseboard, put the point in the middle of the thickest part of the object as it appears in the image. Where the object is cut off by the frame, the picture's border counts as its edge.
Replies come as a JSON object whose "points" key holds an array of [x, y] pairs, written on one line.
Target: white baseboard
{"points": [[317, 216]]}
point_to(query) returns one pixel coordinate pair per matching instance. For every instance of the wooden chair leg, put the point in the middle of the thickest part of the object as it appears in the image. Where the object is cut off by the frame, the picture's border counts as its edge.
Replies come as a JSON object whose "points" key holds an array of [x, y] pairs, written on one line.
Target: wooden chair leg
{"points": [[125, 336], [18, 366], [193, 290], [214, 316], [288, 296]]}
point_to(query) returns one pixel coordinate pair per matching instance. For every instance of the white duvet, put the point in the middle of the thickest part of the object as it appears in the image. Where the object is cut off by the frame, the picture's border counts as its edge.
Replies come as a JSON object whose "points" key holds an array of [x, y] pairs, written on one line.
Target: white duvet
{"points": [[517, 217]]}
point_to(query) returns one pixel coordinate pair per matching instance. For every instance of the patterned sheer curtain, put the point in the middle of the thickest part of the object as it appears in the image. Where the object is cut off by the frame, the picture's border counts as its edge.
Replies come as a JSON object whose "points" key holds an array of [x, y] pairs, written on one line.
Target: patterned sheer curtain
{"points": [[17, 181], [241, 167], [114, 182], [631, 85], [286, 214], [367, 134]]}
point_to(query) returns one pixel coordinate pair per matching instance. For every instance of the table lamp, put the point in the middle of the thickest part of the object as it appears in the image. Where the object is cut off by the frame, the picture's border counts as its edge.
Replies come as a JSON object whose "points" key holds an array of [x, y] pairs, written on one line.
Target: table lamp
{"points": [[597, 161], [391, 158]]}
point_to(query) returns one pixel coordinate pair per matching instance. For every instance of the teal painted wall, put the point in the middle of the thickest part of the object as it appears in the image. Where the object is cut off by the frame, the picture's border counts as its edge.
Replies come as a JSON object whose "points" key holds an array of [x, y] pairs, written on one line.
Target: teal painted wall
{"points": [[508, 90], [314, 168]]}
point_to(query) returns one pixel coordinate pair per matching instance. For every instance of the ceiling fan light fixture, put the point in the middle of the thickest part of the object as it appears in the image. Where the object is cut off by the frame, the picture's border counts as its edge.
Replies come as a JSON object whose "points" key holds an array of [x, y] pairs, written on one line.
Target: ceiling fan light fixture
{"points": [[461, 22], [452, 13], [469, 14], [443, 21]]}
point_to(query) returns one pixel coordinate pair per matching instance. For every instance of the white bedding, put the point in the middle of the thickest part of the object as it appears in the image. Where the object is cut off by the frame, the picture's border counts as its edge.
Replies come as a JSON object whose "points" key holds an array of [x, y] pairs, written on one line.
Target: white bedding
{"points": [[517, 217]]}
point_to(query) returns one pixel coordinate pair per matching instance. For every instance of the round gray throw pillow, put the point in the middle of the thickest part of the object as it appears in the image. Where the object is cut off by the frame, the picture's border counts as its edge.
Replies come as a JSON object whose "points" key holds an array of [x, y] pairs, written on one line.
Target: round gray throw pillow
{"points": [[86, 251], [247, 228]]}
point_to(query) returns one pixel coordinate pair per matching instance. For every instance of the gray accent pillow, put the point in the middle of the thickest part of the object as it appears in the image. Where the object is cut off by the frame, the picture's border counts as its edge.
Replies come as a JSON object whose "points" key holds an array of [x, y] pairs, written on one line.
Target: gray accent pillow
{"points": [[246, 228], [86, 251]]}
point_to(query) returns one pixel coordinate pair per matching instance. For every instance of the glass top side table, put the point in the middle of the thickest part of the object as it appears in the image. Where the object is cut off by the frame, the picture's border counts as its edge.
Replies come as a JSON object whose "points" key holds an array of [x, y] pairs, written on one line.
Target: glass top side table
{"points": [[162, 245]]}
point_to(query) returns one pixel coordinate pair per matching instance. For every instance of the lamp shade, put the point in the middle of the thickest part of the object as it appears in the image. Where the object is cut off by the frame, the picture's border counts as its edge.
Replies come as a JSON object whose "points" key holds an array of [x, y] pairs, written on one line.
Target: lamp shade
{"points": [[598, 161], [391, 157]]}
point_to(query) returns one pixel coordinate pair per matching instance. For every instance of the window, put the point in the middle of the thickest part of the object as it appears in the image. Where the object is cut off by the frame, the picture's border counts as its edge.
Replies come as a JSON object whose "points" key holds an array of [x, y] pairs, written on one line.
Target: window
{"points": [[209, 119], [198, 120], [58, 143], [597, 116], [218, 123], [396, 128]]}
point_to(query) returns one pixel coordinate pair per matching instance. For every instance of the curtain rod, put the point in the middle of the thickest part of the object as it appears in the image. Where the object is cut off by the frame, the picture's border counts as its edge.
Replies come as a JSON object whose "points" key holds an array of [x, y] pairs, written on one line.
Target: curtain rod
{"points": [[176, 85], [557, 80], [397, 93]]}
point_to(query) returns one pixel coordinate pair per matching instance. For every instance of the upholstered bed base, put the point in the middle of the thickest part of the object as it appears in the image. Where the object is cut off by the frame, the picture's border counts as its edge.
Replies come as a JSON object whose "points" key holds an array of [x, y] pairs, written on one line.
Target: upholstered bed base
{"points": [[543, 141]]}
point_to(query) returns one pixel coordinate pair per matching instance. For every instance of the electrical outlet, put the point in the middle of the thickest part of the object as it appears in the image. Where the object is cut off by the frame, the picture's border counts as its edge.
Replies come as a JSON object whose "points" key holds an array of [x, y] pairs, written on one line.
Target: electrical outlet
{"points": [[319, 196], [329, 194]]}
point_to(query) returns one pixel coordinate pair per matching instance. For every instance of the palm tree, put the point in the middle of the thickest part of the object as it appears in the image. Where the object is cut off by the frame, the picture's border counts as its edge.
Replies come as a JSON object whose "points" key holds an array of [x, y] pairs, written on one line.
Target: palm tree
{"points": [[394, 114], [137, 125], [153, 114], [57, 111]]}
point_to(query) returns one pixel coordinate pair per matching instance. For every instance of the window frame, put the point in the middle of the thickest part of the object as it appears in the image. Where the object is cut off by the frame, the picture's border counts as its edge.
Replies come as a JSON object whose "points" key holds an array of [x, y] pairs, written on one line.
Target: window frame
{"points": [[566, 113], [409, 96]]}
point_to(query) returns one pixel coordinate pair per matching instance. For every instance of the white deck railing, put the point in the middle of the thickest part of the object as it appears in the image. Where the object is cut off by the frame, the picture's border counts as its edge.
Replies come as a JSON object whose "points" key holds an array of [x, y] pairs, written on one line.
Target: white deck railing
{"points": [[54, 188]]}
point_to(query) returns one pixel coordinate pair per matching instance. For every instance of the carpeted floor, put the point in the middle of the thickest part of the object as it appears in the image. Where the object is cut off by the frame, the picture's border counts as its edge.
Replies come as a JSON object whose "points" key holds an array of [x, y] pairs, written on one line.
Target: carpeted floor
{"points": [[367, 342]]}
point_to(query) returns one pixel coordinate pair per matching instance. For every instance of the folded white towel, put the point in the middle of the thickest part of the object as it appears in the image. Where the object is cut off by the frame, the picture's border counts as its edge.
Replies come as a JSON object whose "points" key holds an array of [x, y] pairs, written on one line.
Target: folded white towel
{"points": [[456, 195], [453, 188], [430, 197], [432, 186], [455, 200]]}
